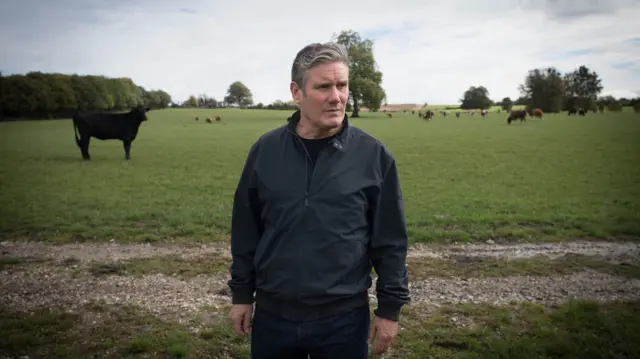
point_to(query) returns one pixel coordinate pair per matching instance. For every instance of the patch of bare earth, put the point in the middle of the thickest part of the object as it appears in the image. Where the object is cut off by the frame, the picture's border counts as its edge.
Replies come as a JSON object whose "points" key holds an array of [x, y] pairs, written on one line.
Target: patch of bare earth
{"points": [[87, 252], [46, 286], [553, 290], [613, 251], [54, 283]]}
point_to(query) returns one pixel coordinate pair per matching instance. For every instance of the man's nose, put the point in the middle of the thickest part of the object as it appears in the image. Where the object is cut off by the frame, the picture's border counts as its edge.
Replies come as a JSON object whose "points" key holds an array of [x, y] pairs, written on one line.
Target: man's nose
{"points": [[334, 96]]}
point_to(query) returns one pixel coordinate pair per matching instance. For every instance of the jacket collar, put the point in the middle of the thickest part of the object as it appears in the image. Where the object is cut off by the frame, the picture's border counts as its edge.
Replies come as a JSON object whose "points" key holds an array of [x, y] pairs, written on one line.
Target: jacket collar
{"points": [[339, 140]]}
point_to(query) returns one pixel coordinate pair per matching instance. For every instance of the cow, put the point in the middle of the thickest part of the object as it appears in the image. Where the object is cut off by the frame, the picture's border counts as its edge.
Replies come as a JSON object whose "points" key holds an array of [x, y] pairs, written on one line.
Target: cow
{"points": [[484, 113], [457, 114], [390, 115], [208, 119], [517, 115], [572, 111], [581, 112], [197, 119], [218, 118], [108, 126], [428, 115], [536, 112]]}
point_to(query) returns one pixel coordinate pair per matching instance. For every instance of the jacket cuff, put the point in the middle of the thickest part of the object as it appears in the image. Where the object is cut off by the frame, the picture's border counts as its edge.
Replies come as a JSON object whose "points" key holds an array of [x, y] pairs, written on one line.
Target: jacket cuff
{"points": [[242, 296], [390, 311]]}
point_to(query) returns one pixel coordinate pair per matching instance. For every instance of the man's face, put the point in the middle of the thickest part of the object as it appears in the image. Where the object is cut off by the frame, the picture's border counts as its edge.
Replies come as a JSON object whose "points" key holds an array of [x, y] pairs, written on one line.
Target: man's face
{"points": [[327, 92]]}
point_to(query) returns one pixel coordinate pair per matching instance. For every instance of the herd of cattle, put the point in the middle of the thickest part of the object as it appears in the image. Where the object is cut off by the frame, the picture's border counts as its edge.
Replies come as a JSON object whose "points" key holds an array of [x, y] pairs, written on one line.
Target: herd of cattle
{"points": [[208, 119], [513, 115], [124, 126], [428, 114]]}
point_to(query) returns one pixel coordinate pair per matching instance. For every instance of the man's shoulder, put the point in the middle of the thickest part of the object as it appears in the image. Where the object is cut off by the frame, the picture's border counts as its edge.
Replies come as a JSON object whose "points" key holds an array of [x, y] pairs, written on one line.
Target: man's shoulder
{"points": [[366, 141]]}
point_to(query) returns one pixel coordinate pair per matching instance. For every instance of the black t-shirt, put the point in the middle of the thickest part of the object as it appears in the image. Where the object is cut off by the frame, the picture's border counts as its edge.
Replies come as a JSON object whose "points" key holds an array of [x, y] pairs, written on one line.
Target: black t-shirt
{"points": [[314, 146]]}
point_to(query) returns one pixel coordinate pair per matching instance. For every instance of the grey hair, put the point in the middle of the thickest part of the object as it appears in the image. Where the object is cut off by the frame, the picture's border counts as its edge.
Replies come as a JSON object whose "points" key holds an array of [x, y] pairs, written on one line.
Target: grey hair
{"points": [[314, 54]]}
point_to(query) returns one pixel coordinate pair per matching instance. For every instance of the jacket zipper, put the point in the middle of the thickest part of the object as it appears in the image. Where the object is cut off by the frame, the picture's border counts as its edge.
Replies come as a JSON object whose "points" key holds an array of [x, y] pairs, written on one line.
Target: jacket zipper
{"points": [[307, 184]]}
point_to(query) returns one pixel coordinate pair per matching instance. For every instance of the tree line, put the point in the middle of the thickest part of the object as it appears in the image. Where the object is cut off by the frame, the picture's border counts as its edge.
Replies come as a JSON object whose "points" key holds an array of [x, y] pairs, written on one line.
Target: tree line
{"points": [[55, 95], [551, 91]]}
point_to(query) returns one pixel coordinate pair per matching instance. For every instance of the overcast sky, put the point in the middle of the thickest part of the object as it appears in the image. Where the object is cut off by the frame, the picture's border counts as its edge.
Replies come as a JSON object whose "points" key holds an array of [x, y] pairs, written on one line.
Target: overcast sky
{"points": [[428, 51]]}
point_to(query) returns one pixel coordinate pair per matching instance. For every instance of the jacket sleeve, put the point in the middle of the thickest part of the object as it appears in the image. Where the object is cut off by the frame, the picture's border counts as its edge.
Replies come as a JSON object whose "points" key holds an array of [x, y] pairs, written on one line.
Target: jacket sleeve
{"points": [[388, 247], [246, 229]]}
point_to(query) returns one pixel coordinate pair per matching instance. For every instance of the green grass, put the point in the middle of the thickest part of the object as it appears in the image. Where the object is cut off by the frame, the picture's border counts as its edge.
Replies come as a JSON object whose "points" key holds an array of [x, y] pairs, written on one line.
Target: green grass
{"points": [[463, 179], [578, 329]]}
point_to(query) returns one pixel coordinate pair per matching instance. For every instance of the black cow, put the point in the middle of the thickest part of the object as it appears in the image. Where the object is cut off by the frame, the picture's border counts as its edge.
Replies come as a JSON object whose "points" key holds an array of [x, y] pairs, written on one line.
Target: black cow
{"points": [[517, 115], [108, 126]]}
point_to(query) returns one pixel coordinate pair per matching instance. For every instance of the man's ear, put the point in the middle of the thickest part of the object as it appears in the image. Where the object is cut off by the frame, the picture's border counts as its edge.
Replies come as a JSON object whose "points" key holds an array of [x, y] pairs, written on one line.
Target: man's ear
{"points": [[296, 92]]}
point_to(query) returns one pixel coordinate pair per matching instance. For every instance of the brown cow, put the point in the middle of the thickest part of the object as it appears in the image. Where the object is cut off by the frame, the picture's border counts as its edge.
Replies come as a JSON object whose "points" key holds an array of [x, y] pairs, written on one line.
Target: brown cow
{"points": [[536, 112], [208, 120], [218, 118], [390, 115]]}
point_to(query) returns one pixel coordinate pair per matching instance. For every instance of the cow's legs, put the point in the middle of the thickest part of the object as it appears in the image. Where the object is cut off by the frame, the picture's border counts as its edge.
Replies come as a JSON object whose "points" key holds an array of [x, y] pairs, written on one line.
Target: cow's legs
{"points": [[127, 149], [84, 147]]}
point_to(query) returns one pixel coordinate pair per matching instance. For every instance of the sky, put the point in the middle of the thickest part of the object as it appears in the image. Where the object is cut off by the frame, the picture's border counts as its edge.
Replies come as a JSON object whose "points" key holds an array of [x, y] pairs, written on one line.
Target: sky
{"points": [[428, 51]]}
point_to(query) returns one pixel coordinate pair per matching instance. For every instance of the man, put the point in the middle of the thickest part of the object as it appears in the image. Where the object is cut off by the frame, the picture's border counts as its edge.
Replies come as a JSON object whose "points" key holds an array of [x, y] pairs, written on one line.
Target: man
{"points": [[318, 203]]}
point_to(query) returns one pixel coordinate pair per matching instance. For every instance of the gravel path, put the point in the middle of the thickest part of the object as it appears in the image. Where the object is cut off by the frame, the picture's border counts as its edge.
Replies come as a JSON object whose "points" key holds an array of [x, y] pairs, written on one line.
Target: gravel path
{"points": [[115, 251], [38, 286], [102, 252], [31, 285], [589, 285], [614, 251]]}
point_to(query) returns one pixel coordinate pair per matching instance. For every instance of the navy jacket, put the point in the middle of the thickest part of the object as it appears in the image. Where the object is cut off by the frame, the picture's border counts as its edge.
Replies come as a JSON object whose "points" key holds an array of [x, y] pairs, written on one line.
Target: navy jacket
{"points": [[304, 238]]}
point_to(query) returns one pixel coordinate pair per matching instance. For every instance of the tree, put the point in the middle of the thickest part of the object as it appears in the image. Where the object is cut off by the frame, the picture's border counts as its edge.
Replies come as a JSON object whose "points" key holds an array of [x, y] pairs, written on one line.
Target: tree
{"points": [[239, 94], [364, 77], [543, 89], [46, 95], [475, 97], [192, 101], [582, 88], [506, 104], [372, 95]]}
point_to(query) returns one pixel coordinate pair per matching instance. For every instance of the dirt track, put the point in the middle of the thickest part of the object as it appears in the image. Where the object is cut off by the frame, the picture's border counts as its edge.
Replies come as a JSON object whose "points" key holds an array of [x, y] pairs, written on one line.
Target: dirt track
{"points": [[50, 283]]}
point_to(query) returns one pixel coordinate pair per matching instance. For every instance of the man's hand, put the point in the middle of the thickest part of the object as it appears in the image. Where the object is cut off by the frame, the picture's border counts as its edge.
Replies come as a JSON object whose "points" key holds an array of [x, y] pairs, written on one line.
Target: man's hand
{"points": [[240, 316], [385, 331]]}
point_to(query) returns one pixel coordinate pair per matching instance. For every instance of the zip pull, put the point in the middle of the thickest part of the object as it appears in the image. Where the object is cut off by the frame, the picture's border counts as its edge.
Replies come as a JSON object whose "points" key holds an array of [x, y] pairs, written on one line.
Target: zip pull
{"points": [[306, 199]]}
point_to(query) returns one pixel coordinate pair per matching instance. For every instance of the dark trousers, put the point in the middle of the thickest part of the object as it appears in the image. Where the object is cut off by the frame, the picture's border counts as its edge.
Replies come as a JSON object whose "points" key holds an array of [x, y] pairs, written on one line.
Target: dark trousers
{"points": [[337, 337]]}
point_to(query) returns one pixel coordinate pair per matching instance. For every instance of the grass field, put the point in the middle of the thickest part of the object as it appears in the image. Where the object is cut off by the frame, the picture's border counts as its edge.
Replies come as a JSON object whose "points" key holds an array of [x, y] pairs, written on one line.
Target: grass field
{"points": [[576, 330], [463, 179]]}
